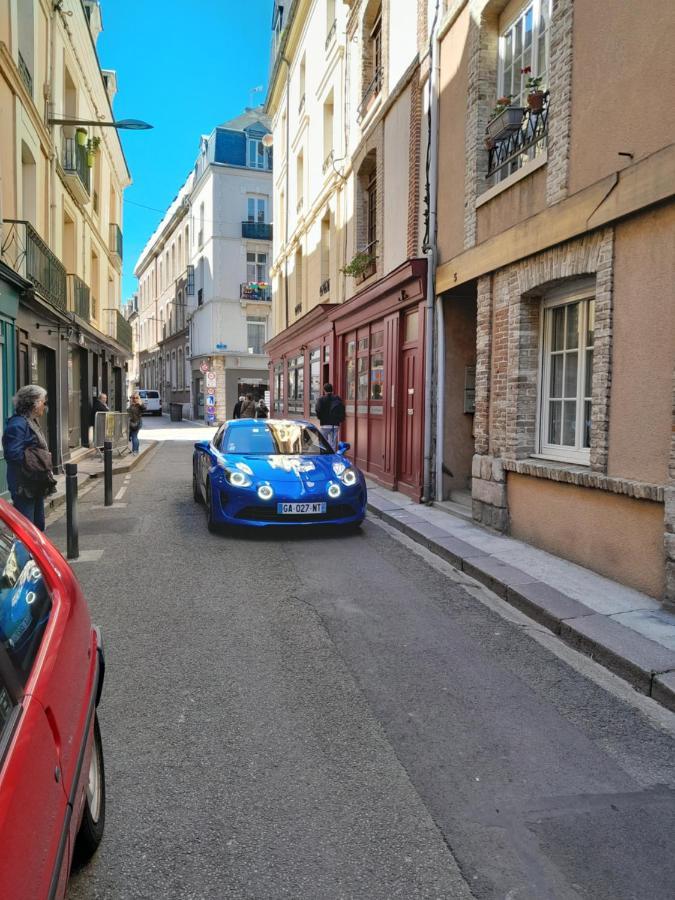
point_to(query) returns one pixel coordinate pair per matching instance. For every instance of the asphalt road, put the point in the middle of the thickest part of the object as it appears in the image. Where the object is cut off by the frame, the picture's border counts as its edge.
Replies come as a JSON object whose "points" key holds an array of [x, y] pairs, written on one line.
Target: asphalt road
{"points": [[312, 715]]}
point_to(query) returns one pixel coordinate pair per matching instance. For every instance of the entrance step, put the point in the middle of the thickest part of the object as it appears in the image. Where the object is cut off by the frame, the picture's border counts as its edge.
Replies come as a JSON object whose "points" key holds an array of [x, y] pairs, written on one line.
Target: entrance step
{"points": [[456, 506]]}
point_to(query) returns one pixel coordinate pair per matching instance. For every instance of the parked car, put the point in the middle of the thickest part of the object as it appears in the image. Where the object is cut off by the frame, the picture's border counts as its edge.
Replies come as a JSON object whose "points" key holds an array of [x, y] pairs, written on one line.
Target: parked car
{"points": [[52, 779], [152, 402], [274, 472]]}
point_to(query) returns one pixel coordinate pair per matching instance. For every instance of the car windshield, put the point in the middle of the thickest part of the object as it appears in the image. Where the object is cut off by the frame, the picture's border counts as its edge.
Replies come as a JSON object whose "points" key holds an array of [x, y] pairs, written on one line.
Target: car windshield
{"points": [[275, 439]]}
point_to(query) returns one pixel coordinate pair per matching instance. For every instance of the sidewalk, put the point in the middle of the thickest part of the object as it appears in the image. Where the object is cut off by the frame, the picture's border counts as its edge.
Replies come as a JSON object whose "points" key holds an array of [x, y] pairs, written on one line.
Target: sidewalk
{"points": [[621, 628]]}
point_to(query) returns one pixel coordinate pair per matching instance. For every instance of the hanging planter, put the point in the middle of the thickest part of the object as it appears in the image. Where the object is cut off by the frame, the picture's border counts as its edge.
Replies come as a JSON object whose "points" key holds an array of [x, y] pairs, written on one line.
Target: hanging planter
{"points": [[81, 136], [92, 150], [506, 121]]}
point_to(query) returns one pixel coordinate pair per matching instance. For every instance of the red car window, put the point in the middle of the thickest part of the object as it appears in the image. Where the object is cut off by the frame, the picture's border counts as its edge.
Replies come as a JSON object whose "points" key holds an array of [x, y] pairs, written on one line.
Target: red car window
{"points": [[25, 604]]}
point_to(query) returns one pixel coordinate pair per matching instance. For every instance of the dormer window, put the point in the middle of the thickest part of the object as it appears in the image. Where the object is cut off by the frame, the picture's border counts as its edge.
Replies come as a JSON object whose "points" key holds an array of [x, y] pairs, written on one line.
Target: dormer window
{"points": [[258, 156]]}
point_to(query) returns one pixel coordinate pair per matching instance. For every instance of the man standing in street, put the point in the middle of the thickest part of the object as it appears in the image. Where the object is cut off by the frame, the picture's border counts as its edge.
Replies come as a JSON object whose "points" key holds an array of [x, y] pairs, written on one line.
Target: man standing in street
{"points": [[330, 411], [100, 404]]}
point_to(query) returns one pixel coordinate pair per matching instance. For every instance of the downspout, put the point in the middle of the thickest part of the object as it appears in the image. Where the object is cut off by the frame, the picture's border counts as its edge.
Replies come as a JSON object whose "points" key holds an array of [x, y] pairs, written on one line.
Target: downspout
{"points": [[429, 248], [288, 163]]}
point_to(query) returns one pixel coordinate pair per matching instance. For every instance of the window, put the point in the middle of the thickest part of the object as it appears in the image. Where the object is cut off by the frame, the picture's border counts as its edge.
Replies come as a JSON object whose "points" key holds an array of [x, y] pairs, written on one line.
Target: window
{"points": [[328, 119], [298, 282], [301, 86], [296, 384], [350, 371], [300, 180], [279, 388], [180, 366], [372, 209], [567, 379], [377, 366], [174, 381], [257, 209], [314, 379], [200, 236], [259, 156], [275, 439], [256, 268], [256, 328], [524, 44]]}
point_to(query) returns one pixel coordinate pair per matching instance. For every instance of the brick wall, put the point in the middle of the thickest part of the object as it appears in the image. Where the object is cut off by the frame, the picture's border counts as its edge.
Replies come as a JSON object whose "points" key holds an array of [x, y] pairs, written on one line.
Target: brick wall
{"points": [[414, 161], [560, 101]]}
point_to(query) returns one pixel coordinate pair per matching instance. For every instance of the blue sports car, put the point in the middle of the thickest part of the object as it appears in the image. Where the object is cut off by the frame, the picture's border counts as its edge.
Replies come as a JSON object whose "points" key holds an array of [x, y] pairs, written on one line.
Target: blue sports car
{"points": [[276, 472]]}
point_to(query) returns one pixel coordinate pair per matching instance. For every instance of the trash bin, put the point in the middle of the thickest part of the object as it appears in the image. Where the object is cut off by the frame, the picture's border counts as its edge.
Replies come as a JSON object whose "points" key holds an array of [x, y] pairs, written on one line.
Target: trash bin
{"points": [[176, 411]]}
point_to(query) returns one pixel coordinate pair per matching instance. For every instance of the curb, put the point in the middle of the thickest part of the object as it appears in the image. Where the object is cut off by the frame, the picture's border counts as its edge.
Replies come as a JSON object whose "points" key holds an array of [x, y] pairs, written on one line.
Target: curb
{"points": [[649, 667], [127, 466]]}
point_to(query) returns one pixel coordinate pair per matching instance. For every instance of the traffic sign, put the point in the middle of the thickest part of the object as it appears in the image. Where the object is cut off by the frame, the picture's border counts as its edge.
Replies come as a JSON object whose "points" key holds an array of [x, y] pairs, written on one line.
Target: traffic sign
{"points": [[204, 367]]}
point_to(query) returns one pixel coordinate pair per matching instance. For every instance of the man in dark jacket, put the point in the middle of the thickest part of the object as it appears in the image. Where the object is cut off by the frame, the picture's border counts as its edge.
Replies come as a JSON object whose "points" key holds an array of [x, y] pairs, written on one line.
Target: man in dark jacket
{"points": [[247, 410], [236, 413], [330, 411]]}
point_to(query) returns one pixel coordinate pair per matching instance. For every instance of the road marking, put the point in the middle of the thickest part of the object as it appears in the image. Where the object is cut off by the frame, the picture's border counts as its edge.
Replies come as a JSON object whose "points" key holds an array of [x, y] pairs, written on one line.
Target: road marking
{"points": [[87, 556], [122, 491]]}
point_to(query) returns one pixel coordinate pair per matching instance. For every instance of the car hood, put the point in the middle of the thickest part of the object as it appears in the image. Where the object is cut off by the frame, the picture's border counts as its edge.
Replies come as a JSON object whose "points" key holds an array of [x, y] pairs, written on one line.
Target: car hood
{"points": [[308, 470]]}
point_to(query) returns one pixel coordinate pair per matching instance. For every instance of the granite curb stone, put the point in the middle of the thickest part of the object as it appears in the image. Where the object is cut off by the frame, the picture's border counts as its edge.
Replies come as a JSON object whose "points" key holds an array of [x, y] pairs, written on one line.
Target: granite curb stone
{"points": [[663, 689]]}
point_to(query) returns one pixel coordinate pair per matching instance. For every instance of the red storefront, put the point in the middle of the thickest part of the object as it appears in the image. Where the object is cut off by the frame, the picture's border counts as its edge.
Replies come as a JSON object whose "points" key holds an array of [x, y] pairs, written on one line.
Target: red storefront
{"points": [[372, 349]]}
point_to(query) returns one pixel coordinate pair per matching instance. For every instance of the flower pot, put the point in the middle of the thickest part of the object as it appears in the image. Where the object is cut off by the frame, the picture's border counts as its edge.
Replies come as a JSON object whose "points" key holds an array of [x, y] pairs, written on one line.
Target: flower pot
{"points": [[91, 156], [81, 136], [535, 101], [511, 119]]}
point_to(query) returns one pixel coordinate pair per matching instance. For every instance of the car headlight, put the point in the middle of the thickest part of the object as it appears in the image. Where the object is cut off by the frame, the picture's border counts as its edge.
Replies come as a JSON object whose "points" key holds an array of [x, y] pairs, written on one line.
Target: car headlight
{"points": [[333, 491], [238, 479], [265, 492], [348, 477]]}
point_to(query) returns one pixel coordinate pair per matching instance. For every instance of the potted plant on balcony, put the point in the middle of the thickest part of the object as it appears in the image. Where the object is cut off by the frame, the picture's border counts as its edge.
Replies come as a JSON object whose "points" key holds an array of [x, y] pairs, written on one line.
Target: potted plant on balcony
{"points": [[81, 136], [535, 96], [359, 264], [505, 118], [92, 149]]}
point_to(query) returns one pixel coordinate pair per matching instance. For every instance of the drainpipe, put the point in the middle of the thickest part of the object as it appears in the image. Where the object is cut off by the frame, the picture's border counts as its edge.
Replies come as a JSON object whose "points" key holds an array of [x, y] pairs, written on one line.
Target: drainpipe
{"points": [[430, 253], [288, 164]]}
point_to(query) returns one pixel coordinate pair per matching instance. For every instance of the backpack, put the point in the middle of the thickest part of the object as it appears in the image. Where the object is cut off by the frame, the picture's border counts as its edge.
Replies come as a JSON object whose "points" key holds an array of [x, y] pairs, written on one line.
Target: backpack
{"points": [[336, 410], [36, 473]]}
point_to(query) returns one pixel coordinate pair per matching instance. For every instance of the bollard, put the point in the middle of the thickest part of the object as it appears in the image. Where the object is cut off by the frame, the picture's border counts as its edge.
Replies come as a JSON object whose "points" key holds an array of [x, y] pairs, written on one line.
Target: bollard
{"points": [[72, 525], [107, 473]]}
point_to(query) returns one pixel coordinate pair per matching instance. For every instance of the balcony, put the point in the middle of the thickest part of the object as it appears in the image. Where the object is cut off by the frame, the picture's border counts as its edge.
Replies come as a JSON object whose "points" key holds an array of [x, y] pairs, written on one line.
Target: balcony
{"points": [[77, 172], [79, 297], [523, 142], [24, 251], [117, 327], [324, 287], [116, 244], [369, 95], [255, 291], [256, 231], [26, 77]]}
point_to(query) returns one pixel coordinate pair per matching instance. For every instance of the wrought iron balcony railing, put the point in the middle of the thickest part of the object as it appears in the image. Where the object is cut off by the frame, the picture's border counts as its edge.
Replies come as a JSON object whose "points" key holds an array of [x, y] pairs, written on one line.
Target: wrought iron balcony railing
{"points": [[507, 154], [26, 77], [75, 162], [369, 95], [325, 287], [116, 239], [257, 231], [79, 297], [255, 290], [24, 251], [118, 328]]}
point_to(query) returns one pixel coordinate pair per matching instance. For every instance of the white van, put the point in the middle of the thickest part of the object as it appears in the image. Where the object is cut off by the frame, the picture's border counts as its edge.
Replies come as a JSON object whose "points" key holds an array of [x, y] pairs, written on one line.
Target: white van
{"points": [[151, 401]]}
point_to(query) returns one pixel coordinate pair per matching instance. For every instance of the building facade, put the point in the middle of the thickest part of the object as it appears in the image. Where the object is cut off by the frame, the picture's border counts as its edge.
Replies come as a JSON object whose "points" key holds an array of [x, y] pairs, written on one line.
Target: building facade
{"points": [[557, 255], [204, 296], [61, 218], [349, 278]]}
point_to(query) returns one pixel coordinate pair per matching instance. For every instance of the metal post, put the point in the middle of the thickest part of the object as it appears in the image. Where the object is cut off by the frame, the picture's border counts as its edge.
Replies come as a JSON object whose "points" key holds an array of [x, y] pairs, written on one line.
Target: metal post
{"points": [[107, 473], [72, 525]]}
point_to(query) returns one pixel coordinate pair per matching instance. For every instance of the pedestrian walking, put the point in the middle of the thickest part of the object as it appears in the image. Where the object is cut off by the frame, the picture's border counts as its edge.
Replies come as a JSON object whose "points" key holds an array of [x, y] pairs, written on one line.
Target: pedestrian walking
{"points": [[261, 410], [135, 411], [29, 462], [236, 414], [330, 411], [247, 410]]}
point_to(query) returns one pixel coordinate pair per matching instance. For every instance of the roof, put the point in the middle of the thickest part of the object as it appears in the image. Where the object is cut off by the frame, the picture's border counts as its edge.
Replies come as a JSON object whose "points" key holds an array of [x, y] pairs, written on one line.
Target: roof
{"points": [[252, 115]]}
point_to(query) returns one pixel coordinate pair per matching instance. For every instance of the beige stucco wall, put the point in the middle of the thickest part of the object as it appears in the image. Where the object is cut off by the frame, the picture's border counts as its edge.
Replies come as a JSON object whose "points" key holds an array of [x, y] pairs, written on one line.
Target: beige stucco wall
{"points": [[7, 151], [615, 535], [452, 129], [396, 166], [522, 200], [643, 346], [623, 63]]}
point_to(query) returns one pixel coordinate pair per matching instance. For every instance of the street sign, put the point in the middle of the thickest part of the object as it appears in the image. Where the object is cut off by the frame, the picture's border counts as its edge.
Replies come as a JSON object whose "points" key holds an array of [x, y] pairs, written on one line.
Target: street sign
{"points": [[211, 400], [210, 379], [204, 368]]}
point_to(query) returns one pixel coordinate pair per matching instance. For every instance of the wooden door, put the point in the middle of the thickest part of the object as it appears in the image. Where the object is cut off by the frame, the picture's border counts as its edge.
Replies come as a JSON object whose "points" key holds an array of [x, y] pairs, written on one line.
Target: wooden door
{"points": [[408, 450]]}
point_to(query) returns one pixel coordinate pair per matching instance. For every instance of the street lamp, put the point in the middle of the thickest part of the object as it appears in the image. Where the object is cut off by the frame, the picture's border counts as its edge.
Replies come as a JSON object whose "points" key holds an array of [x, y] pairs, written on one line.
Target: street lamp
{"points": [[128, 124]]}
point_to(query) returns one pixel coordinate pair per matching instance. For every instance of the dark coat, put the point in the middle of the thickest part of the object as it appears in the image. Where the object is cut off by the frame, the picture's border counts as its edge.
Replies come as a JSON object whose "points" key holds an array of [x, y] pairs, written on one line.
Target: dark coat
{"points": [[236, 413], [261, 411], [247, 410], [324, 412], [135, 411], [98, 406], [17, 437]]}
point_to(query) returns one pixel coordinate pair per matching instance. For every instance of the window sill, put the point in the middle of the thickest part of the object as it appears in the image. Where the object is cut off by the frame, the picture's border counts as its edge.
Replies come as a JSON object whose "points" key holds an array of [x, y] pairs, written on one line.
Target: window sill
{"points": [[581, 476], [371, 111], [526, 169]]}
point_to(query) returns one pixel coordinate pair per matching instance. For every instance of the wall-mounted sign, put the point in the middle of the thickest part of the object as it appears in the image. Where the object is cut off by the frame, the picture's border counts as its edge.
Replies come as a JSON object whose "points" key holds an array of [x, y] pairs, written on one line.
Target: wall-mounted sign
{"points": [[204, 367], [210, 379], [221, 346], [211, 400]]}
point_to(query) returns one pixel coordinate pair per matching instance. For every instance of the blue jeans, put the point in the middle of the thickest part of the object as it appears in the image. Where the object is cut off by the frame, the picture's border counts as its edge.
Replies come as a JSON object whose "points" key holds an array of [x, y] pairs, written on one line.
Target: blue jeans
{"points": [[33, 508], [133, 435]]}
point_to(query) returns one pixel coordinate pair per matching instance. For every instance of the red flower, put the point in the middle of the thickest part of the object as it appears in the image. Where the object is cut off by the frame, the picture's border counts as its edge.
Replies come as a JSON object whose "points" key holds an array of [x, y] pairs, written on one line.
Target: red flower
{"points": [[526, 70]]}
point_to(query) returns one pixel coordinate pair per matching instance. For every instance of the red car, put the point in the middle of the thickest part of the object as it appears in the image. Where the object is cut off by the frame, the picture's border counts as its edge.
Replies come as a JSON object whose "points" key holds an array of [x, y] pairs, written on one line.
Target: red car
{"points": [[52, 783]]}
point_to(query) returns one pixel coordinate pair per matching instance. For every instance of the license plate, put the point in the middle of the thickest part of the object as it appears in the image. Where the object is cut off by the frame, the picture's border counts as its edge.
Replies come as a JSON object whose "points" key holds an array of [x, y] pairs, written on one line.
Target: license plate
{"points": [[302, 509]]}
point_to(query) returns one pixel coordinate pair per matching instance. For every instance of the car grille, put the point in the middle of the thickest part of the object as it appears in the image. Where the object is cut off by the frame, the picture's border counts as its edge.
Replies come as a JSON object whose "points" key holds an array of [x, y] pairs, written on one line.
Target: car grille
{"points": [[267, 514]]}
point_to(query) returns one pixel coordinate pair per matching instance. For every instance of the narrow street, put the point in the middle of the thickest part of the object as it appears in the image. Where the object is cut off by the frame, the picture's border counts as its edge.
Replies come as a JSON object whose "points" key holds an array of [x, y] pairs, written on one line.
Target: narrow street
{"points": [[316, 715]]}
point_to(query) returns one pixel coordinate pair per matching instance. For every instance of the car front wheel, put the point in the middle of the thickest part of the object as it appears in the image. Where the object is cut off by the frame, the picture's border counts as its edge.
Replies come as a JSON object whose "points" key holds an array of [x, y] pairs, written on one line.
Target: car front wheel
{"points": [[93, 816]]}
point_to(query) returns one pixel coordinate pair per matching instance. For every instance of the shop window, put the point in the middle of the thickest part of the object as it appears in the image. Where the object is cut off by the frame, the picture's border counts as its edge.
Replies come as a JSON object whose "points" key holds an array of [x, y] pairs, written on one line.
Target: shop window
{"points": [[279, 389], [377, 376], [362, 378], [314, 378], [411, 328], [296, 385], [567, 377]]}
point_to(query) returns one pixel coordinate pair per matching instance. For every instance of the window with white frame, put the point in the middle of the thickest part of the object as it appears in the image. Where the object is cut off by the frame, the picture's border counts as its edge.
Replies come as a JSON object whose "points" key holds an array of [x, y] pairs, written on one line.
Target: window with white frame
{"points": [[525, 44], [257, 209], [256, 333], [256, 268], [259, 156], [567, 378]]}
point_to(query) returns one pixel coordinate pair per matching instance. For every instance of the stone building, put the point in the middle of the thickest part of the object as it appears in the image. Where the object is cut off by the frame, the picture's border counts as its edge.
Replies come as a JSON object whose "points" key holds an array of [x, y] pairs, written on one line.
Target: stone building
{"points": [[557, 256]]}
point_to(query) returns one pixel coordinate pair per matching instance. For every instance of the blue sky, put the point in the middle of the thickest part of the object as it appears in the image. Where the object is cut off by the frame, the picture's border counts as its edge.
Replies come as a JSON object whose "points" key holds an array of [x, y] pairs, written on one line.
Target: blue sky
{"points": [[184, 66]]}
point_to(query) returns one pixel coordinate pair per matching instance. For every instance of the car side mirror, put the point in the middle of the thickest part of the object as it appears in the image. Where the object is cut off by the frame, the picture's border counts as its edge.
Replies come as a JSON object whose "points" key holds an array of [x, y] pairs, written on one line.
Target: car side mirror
{"points": [[342, 448], [202, 445]]}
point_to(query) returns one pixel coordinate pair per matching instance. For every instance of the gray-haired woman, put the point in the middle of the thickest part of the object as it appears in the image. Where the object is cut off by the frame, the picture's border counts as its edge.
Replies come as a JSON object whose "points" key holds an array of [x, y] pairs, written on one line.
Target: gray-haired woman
{"points": [[22, 431]]}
